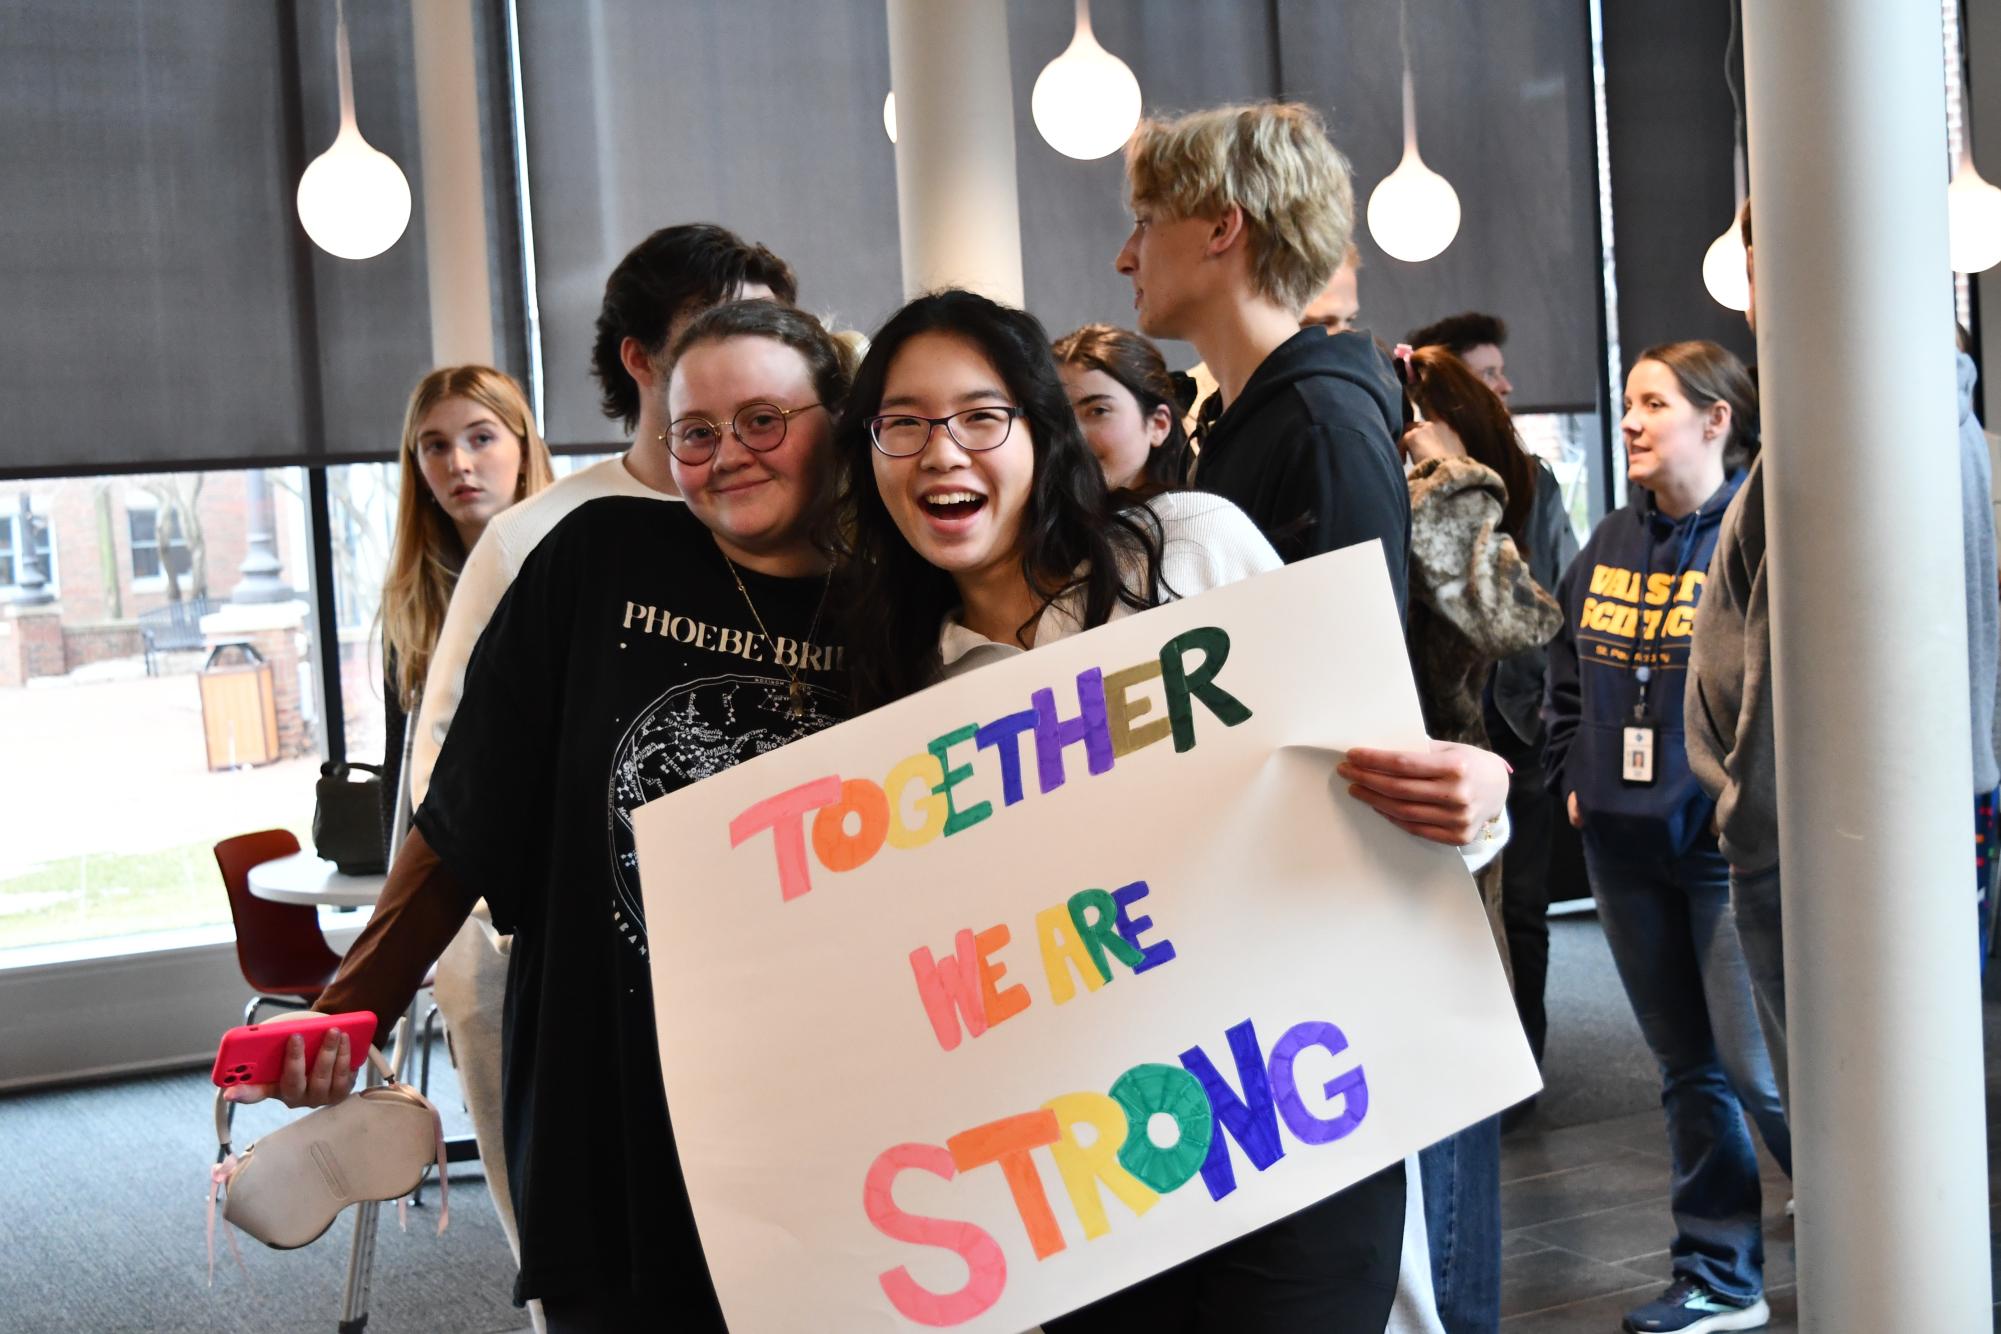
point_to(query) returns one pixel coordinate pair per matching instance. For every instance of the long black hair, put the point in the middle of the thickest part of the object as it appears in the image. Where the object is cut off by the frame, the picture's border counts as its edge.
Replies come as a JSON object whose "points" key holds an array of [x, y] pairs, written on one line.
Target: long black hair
{"points": [[1072, 535]]}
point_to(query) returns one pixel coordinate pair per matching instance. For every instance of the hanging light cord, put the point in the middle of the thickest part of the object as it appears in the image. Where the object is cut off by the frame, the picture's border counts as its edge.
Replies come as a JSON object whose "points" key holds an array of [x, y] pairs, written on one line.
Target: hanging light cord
{"points": [[1736, 106], [1403, 33], [1409, 83]]}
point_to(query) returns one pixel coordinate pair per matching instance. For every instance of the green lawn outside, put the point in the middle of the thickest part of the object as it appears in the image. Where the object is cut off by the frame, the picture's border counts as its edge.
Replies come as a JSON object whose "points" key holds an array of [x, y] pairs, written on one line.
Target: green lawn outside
{"points": [[112, 894]]}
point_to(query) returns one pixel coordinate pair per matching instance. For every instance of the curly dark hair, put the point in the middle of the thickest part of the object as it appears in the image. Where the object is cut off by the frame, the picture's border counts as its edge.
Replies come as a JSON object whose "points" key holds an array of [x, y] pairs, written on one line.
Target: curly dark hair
{"points": [[1460, 334], [1137, 365], [693, 264], [1074, 537]]}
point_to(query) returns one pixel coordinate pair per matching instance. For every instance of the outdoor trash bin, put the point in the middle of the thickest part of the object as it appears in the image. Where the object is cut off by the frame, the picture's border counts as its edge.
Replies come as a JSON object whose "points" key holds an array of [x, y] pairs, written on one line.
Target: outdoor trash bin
{"points": [[239, 710]]}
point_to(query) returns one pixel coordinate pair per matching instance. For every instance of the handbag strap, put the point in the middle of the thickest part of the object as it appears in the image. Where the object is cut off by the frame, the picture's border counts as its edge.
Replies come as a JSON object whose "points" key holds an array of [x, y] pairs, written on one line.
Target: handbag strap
{"points": [[375, 1058]]}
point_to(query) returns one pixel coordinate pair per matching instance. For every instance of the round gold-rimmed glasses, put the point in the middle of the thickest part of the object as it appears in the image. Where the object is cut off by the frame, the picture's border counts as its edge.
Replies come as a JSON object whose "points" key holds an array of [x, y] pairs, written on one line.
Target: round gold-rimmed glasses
{"points": [[759, 426]]}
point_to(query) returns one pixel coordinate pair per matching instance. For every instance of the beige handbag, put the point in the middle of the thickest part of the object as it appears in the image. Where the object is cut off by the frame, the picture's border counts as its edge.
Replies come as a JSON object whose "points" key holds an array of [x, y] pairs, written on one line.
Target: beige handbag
{"points": [[287, 1188]]}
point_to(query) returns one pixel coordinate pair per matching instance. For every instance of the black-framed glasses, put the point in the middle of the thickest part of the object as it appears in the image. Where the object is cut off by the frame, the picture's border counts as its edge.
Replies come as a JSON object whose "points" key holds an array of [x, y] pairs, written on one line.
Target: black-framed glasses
{"points": [[759, 426], [903, 434]]}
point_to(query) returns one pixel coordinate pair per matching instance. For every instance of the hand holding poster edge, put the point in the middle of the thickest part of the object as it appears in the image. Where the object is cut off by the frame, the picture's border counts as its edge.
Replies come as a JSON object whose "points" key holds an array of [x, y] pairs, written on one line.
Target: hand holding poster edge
{"points": [[1001, 1274]]}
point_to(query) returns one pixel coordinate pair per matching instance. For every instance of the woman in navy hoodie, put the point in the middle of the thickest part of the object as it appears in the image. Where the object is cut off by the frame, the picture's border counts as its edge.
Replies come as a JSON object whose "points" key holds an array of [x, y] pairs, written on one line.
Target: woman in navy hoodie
{"points": [[1617, 759]]}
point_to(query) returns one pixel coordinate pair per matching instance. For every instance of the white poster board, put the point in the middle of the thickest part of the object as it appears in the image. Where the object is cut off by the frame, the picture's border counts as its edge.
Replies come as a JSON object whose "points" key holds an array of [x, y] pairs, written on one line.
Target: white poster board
{"points": [[902, 1083]]}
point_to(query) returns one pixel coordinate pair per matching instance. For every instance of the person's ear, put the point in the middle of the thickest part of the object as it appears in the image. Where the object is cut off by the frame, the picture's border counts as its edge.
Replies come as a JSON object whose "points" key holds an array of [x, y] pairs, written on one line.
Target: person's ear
{"points": [[638, 364], [1225, 230], [1158, 424], [1716, 421]]}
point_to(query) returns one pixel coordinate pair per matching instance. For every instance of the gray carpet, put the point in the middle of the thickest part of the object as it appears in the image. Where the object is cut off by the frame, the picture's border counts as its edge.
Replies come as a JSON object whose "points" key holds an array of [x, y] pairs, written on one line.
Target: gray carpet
{"points": [[1595, 1064], [102, 1189], [101, 1208]]}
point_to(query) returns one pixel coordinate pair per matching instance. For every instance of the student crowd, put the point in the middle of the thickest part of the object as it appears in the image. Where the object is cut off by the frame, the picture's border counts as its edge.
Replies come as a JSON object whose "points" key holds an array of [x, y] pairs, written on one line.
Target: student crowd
{"points": [[854, 519]]}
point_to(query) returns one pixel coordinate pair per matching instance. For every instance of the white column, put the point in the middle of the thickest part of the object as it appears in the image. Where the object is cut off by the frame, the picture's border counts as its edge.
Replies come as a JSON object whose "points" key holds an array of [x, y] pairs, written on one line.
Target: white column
{"points": [[955, 181], [454, 194], [1848, 171]]}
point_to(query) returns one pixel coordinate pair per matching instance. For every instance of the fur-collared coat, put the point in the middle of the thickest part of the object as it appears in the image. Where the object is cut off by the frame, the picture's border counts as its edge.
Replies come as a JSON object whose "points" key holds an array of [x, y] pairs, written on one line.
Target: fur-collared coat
{"points": [[1473, 600], [1472, 603]]}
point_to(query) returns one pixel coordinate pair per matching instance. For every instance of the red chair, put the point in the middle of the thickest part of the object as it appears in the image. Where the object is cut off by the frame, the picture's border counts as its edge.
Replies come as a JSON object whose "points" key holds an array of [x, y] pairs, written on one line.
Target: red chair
{"points": [[279, 946]]}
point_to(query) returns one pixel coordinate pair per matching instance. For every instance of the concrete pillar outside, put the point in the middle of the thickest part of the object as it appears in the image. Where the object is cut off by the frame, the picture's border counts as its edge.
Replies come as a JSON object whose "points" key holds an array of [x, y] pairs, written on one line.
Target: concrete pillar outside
{"points": [[262, 572], [454, 183], [956, 206], [31, 583], [1848, 173]]}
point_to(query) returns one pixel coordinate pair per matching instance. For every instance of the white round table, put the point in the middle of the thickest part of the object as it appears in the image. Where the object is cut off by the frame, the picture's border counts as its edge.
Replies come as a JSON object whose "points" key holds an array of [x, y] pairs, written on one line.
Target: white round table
{"points": [[305, 878]]}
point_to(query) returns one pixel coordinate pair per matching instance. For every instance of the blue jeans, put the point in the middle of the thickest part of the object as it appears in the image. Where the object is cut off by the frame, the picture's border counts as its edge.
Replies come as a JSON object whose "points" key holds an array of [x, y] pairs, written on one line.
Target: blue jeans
{"points": [[1462, 1215], [1673, 938]]}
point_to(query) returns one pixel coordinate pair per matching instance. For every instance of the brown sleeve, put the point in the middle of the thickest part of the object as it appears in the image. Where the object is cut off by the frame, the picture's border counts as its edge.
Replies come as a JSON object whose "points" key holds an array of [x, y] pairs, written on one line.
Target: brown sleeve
{"points": [[421, 908]]}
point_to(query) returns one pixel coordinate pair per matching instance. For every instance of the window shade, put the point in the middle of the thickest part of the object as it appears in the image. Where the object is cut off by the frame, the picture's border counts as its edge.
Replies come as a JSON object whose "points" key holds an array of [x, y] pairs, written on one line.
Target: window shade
{"points": [[161, 315]]}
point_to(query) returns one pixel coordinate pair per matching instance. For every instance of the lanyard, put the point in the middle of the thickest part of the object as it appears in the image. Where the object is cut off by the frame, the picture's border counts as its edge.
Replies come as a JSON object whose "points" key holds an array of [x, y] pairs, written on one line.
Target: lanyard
{"points": [[1643, 672]]}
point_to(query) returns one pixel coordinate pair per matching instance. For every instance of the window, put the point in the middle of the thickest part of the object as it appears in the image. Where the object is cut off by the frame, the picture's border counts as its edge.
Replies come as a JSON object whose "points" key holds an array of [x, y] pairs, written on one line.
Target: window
{"points": [[361, 500], [40, 546], [158, 542], [182, 774]]}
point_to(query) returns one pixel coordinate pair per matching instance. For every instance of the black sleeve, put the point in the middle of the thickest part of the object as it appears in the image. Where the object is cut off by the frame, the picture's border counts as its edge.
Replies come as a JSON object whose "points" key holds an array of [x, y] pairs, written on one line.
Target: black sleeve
{"points": [[395, 725], [1563, 704], [492, 798], [1348, 487]]}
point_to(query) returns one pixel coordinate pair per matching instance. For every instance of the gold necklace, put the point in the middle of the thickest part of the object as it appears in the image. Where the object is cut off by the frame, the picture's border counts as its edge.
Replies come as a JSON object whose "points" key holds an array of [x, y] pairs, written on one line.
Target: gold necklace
{"points": [[795, 694]]}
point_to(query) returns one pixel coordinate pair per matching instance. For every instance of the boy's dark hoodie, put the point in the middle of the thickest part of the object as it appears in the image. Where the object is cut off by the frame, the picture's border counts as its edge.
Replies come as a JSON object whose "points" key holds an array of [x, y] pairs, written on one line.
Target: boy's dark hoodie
{"points": [[1633, 591], [1309, 450]]}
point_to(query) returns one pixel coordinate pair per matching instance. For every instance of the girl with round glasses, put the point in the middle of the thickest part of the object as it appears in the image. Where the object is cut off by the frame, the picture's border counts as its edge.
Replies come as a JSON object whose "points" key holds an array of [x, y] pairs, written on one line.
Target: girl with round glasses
{"points": [[980, 526], [643, 647]]}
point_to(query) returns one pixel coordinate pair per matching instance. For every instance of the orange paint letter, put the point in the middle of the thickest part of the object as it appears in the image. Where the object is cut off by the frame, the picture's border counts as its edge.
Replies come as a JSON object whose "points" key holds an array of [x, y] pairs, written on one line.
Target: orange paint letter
{"points": [[1008, 1142], [999, 1005]]}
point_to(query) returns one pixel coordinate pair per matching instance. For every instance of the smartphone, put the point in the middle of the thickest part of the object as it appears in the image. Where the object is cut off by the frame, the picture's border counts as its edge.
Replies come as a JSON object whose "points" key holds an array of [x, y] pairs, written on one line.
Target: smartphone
{"points": [[255, 1054]]}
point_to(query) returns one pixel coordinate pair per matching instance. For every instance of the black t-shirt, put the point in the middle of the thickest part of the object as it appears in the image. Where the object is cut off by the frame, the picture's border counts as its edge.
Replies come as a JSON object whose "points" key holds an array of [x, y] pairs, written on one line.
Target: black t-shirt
{"points": [[624, 663]]}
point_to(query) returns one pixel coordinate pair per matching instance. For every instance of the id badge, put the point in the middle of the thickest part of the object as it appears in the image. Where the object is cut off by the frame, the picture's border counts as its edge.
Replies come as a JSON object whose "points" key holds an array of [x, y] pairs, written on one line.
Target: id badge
{"points": [[1637, 754]]}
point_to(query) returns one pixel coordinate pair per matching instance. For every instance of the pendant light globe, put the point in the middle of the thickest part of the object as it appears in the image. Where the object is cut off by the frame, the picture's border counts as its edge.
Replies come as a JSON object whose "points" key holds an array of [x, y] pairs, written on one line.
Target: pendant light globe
{"points": [[1973, 217], [1724, 271], [1413, 212], [889, 115], [1086, 102], [353, 199]]}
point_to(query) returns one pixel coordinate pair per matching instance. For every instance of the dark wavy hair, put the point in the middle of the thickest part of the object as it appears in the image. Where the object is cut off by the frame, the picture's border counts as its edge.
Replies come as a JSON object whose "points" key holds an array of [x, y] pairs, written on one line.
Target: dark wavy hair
{"points": [[1447, 390], [696, 263], [1461, 333], [1073, 535], [1141, 371], [1708, 374]]}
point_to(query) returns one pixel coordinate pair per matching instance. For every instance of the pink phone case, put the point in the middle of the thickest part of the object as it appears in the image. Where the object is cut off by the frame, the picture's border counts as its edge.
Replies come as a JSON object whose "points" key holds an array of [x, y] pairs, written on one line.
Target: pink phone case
{"points": [[256, 1054]]}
